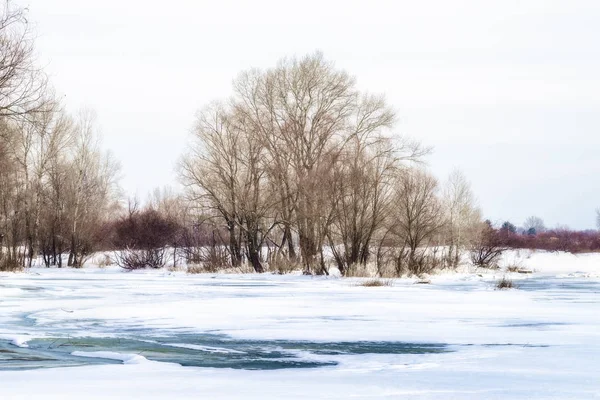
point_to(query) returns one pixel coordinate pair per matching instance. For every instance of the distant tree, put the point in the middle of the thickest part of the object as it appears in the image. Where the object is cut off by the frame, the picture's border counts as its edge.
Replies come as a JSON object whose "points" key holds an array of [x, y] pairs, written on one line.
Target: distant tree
{"points": [[534, 225], [507, 226]]}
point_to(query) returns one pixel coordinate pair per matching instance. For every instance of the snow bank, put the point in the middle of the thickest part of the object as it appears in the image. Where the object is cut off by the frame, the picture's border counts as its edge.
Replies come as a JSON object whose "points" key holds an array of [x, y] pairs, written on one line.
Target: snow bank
{"points": [[125, 358], [16, 340]]}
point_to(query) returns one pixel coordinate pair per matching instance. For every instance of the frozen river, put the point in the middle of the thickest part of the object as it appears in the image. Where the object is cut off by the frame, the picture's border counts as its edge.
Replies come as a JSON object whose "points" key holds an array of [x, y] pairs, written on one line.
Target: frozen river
{"points": [[106, 334]]}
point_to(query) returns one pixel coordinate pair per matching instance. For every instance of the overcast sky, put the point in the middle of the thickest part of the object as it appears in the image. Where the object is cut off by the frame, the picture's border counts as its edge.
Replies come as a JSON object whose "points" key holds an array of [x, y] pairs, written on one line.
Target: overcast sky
{"points": [[507, 91]]}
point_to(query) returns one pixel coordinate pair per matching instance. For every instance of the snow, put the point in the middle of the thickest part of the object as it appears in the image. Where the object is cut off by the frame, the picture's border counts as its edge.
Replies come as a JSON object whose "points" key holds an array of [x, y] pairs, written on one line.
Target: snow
{"points": [[16, 340], [540, 341], [111, 355]]}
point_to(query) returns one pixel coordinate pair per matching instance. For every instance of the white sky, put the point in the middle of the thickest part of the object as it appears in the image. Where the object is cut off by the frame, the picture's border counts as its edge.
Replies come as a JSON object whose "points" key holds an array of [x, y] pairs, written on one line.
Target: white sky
{"points": [[508, 91]]}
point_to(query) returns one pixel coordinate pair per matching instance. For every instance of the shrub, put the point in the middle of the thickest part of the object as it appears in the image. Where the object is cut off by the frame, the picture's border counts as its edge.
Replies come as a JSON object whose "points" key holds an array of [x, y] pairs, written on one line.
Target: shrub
{"points": [[105, 261], [282, 265], [358, 271], [488, 246], [215, 258], [9, 264], [376, 283], [194, 239], [505, 283], [209, 259], [143, 237], [145, 230], [195, 269], [560, 239], [397, 262], [513, 268], [131, 259]]}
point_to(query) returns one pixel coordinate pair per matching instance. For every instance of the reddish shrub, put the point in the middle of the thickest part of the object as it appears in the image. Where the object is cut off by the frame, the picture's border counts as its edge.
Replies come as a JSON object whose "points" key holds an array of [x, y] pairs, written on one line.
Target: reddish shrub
{"points": [[554, 240]]}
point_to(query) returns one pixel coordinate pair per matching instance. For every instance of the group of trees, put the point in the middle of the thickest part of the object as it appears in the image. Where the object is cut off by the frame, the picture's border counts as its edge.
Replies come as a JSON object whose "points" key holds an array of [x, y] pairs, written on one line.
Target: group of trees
{"points": [[297, 168], [56, 185], [534, 235], [300, 162], [492, 241]]}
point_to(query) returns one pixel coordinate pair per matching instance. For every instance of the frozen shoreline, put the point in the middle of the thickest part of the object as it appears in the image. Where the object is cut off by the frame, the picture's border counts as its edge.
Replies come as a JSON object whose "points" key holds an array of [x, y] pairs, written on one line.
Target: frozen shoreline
{"points": [[540, 341]]}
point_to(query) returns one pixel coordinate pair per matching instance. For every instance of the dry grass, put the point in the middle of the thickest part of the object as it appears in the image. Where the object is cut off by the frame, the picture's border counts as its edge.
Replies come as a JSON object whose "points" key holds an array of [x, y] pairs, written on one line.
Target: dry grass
{"points": [[9, 265], [195, 269], [105, 261], [505, 283], [423, 281], [518, 269], [282, 266], [245, 268], [360, 271], [177, 268], [376, 283]]}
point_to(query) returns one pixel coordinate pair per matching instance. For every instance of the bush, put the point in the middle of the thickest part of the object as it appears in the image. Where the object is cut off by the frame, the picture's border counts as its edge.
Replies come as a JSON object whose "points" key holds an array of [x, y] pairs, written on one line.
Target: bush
{"points": [[282, 265], [209, 259], [557, 240], [560, 239], [195, 269], [488, 246], [130, 259], [146, 229], [215, 258], [397, 262], [505, 283], [9, 264], [513, 268], [195, 238], [376, 283], [358, 271], [105, 261], [144, 237]]}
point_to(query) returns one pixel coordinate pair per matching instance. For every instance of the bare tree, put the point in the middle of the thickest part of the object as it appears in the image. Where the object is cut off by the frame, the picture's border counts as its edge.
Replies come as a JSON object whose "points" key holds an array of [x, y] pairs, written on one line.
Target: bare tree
{"points": [[298, 156], [534, 225], [309, 115], [417, 216], [461, 213], [92, 185], [224, 171], [301, 109], [12, 198], [52, 173], [22, 83], [361, 194]]}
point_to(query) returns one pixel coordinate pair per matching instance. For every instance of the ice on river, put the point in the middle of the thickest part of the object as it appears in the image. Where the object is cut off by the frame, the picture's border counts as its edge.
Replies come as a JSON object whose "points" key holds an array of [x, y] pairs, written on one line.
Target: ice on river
{"points": [[107, 334]]}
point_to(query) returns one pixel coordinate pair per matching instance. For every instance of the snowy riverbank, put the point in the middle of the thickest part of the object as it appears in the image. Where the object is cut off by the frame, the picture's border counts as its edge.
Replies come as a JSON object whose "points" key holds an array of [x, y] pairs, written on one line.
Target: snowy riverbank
{"points": [[159, 334]]}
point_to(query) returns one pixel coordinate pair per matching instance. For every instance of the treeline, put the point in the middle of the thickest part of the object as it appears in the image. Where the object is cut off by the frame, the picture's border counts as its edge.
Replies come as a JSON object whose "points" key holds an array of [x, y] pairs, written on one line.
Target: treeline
{"points": [[57, 187], [296, 169], [540, 238]]}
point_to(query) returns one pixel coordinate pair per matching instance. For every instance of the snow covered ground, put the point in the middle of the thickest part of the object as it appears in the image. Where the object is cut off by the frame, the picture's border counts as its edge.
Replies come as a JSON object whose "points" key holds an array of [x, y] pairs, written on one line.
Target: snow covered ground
{"points": [[108, 334]]}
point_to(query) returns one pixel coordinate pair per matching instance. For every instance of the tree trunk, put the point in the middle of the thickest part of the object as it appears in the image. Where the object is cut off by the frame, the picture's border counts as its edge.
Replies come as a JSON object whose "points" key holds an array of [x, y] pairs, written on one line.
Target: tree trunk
{"points": [[234, 248]]}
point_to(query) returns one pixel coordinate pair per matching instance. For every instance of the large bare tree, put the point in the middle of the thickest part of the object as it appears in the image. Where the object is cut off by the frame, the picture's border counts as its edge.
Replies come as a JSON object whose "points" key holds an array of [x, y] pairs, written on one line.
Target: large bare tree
{"points": [[22, 82]]}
